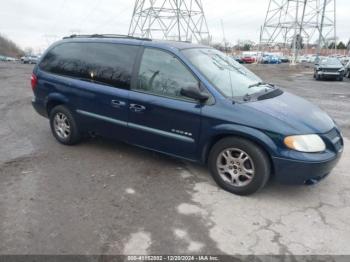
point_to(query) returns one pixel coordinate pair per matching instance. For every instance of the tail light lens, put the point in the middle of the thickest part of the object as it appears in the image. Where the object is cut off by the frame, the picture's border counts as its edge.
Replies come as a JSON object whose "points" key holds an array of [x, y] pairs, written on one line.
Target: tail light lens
{"points": [[33, 81]]}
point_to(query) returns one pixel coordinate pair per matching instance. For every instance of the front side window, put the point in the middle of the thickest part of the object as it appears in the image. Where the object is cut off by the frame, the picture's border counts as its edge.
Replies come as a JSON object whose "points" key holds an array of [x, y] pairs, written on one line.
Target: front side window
{"points": [[163, 74], [228, 76], [105, 63]]}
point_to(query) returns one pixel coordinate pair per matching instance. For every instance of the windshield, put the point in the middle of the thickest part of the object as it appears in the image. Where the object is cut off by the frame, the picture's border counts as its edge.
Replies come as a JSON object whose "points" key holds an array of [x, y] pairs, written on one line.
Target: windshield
{"points": [[227, 75], [331, 61]]}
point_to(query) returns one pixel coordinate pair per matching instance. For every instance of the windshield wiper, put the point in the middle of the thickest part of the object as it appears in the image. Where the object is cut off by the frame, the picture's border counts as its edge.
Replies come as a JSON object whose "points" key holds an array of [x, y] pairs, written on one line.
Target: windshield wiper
{"points": [[257, 84], [247, 97]]}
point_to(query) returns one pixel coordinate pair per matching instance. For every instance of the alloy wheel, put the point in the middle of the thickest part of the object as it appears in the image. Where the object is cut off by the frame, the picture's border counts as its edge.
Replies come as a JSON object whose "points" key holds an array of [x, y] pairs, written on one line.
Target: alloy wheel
{"points": [[62, 125], [235, 167]]}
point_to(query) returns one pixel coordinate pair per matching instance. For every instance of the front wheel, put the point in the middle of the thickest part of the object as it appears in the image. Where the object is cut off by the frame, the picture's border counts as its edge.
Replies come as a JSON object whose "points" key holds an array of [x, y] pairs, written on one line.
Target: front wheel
{"points": [[239, 166], [63, 126]]}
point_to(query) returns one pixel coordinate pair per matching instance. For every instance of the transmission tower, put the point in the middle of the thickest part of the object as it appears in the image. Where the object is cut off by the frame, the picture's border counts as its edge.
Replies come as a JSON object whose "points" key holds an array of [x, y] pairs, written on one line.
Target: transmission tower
{"points": [[289, 23], [181, 20]]}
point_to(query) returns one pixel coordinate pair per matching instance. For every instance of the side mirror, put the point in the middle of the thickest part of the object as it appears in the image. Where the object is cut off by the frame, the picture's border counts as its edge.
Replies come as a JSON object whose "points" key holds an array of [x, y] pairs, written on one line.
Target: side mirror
{"points": [[194, 93]]}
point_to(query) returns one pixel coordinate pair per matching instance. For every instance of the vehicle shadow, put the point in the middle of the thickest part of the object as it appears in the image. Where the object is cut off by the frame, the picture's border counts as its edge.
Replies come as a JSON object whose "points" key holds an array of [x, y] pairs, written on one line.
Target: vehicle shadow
{"points": [[199, 171]]}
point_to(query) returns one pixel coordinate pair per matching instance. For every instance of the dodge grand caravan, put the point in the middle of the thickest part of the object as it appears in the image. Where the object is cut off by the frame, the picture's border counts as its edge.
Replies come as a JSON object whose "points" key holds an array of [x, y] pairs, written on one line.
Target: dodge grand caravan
{"points": [[188, 101]]}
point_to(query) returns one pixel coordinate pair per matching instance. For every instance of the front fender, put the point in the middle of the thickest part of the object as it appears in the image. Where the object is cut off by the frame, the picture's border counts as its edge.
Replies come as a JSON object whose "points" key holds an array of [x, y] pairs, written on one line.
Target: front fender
{"points": [[255, 135]]}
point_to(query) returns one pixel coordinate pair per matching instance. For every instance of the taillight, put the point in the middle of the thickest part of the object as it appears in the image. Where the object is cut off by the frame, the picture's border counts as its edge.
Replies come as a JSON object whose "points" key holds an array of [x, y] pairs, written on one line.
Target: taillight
{"points": [[33, 81]]}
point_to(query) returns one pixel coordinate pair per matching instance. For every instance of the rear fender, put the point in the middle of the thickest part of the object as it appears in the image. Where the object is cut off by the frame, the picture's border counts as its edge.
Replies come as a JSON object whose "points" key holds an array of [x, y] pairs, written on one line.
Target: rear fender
{"points": [[54, 99]]}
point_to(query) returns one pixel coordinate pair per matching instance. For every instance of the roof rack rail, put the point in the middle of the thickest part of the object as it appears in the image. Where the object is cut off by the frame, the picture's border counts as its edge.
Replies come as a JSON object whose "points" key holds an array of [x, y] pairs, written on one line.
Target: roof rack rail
{"points": [[107, 36]]}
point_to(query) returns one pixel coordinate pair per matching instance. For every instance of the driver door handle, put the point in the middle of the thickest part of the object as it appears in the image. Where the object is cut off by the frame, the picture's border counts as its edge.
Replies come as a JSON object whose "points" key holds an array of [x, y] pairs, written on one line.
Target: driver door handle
{"points": [[117, 103], [137, 108]]}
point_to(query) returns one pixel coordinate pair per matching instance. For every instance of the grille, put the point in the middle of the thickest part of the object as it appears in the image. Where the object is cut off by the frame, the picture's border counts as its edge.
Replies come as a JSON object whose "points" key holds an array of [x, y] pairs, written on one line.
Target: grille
{"points": [[330, 70], [334, 139]]}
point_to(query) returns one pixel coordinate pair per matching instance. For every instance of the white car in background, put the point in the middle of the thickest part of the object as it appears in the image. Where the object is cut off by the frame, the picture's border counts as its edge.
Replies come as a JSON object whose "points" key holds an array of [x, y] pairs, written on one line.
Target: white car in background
{"points": [[302, 59], [32, 59]]}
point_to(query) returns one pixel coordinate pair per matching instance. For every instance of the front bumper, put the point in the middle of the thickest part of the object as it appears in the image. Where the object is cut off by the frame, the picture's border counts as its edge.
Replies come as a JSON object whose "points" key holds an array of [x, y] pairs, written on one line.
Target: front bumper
{"points": [[288, 171], [293, 167], [329, 74]]}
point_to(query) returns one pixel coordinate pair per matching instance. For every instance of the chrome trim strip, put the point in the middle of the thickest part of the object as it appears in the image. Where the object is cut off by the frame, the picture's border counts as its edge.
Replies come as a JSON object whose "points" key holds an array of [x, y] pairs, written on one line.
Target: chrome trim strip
{"points": [[161, 132], [136, 126], [105, 118]]}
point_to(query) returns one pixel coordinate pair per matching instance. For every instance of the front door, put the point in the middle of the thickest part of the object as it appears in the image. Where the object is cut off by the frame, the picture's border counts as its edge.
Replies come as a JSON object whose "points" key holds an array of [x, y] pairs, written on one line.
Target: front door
{"points": [[160, 118]]}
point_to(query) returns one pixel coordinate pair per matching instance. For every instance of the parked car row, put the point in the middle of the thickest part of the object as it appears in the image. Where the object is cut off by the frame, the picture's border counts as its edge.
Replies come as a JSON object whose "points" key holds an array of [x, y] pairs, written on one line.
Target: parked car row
{"points": [[334, 67], [7, 58], [28, 59], [270, 59], [262, 59]]}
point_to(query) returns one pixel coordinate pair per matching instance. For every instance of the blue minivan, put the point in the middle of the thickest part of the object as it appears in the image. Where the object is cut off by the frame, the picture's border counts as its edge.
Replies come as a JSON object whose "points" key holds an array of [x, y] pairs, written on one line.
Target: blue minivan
{"points": [[188, 101]]}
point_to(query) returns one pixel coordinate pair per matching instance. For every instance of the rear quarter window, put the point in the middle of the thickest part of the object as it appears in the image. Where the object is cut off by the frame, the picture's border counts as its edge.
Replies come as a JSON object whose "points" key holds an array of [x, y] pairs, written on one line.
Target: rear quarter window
{"points": [[107, 63]]}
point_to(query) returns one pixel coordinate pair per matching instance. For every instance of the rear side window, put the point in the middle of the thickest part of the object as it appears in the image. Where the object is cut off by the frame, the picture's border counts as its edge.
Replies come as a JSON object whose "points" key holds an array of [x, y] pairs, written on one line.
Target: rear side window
{"points": [[100, 62]]}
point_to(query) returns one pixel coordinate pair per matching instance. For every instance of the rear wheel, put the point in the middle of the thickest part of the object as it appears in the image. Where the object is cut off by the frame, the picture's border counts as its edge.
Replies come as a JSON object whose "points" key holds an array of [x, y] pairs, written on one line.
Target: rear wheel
{"points": [[239, 166], [63, 126]]}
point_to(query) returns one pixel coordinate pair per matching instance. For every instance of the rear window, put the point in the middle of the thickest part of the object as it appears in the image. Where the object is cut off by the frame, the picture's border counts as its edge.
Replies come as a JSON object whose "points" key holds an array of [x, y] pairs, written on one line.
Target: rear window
{"points": [[105, 63]]}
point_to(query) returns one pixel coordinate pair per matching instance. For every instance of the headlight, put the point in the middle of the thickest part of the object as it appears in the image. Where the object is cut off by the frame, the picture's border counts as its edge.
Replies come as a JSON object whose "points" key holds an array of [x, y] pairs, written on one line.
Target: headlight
{"points": [[305, 143]]}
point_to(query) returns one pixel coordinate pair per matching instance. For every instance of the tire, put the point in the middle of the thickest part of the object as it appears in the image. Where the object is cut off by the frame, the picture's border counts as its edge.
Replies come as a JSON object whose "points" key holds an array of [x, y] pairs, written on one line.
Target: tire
{"points": [[67, 136], [258, 162], [341, 78]]}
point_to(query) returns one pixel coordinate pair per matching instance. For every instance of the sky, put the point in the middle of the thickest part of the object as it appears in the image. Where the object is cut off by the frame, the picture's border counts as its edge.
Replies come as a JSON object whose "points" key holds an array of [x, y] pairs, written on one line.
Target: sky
{"points": [[37, 23]]}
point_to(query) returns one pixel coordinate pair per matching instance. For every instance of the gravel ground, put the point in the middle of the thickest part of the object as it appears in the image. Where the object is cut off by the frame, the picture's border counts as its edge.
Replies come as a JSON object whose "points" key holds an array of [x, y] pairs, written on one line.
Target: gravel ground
{"points": [[104, 197]]}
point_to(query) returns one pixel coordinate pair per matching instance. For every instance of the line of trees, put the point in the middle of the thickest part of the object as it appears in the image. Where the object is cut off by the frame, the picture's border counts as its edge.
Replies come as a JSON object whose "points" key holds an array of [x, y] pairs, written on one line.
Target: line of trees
{"points": [[9, 48], [340, 45]]}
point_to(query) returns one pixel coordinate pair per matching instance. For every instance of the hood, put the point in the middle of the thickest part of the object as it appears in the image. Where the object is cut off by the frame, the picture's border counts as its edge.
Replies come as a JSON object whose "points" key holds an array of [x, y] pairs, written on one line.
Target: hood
{"points": [[331, 66], [301, 116]]}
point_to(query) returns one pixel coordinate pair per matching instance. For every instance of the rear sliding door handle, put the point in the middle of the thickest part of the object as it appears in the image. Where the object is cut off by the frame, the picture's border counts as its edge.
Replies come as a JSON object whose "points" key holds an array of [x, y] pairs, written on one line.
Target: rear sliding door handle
{"points": [[117, 103], [137, 108]]}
